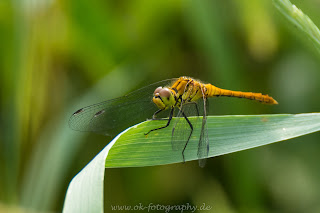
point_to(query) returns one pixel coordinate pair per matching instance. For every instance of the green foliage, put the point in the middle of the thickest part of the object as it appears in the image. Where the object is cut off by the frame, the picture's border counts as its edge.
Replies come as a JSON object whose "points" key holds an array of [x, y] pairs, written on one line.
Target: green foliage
{"points": [[226, 134], [59, 56]]}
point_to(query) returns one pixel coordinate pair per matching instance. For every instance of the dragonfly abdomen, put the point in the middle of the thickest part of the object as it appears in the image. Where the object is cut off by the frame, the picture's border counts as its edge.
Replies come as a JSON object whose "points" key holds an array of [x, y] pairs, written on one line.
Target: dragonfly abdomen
{"points": [[213, 91]]}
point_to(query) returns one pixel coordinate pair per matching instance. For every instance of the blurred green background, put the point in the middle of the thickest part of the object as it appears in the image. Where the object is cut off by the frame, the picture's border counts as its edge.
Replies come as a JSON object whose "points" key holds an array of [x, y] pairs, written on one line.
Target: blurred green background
{"points": [[58, 56]]}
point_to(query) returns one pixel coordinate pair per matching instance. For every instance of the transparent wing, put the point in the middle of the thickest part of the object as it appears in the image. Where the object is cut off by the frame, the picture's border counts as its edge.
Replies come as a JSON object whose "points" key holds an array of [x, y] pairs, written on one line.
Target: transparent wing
{"points": [[181, 129], [112, 116], [203, 146]]}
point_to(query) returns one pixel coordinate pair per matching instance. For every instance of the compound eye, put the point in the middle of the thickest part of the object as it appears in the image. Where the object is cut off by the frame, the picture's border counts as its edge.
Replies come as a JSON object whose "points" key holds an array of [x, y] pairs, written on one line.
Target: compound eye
{"points": [[157, 90], [165, 92]]}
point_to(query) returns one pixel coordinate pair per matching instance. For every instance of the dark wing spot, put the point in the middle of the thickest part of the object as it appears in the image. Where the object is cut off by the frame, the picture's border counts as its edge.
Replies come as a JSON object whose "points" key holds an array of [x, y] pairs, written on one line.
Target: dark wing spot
{"points": [[78, 111], [99, 113]]}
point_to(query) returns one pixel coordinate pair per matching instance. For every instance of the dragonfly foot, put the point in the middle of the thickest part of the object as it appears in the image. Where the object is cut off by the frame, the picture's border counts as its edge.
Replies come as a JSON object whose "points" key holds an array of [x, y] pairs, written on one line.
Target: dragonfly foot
{"points": [[183, 159]]}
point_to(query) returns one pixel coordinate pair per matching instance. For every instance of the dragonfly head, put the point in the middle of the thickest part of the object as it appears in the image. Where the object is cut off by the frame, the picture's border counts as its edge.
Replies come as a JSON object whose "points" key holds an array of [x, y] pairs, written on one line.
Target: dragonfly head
{"points": [[163, 98]]}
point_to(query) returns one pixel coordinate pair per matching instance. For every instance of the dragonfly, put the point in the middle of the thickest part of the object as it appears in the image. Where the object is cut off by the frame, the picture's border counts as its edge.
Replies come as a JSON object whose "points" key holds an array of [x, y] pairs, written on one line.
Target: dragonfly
{"points": [[179, 97]]}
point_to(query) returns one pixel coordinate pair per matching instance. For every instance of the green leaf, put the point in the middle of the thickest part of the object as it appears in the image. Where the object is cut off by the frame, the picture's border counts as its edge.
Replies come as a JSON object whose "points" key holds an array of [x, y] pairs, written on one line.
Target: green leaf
{"points": [[226, 134], [85, 191]]}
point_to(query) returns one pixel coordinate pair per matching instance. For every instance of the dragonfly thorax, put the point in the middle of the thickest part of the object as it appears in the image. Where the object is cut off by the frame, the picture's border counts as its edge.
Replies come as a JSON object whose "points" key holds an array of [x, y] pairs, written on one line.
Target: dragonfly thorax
{"points": [[164, 98]]}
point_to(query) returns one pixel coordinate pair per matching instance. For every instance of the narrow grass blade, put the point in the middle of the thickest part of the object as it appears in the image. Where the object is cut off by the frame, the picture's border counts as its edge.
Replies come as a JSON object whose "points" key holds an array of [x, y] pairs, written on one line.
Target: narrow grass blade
{"points": [[226, 134], [300, 20], [85, 191]]}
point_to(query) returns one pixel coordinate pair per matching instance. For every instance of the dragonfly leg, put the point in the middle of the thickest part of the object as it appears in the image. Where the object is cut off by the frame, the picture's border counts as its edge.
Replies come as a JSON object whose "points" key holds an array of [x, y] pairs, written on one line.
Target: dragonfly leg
{"points": [[154, 114], [158, 119], [185, 146], [197, 109], [169, 120]]}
